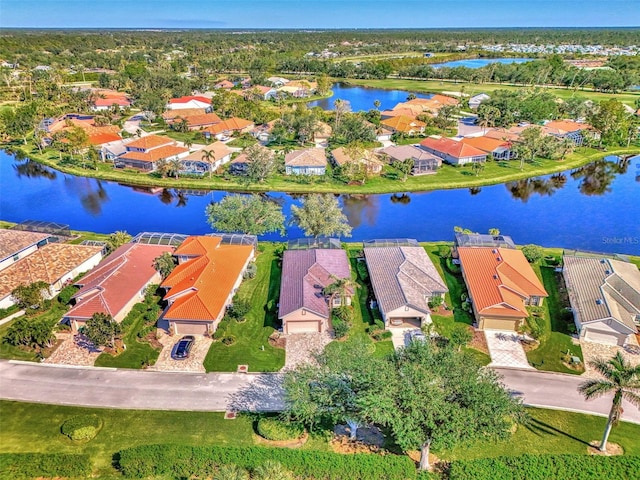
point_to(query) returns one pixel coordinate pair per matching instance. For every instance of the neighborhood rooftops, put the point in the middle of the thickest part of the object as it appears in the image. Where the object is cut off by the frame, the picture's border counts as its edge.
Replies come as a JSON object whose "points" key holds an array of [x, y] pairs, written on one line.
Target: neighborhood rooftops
{"points": [[189, 98], [313, 157], [218, 149], [499, 280], [149, 142], [13, 242], [155, 154], [451, 148]]}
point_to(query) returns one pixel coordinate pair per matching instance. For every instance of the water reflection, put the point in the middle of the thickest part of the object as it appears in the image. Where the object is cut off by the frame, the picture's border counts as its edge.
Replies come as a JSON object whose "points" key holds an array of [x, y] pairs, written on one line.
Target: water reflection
{"points": [[596, 178], [361, 208], [31, 169], [91, 192], [475, 190], [401, 198]]}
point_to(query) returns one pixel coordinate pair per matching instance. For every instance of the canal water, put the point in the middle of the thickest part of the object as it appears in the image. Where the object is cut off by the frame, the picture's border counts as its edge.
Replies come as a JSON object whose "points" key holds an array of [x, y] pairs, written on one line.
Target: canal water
{"points": [[593, 208], [480, 62]]}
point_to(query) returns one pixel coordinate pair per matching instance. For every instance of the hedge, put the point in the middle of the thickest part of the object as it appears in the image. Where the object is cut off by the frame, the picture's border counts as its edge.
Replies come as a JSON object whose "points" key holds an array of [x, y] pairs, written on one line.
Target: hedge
{"points": [[81, 427], [275, 429], [544, 467], [33, 465], [182, 461]]}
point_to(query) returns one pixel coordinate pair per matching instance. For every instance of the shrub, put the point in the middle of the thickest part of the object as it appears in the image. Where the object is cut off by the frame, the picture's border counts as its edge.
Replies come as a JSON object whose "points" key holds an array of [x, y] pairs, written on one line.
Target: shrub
{"points": [[444, 251], [49, 465], [344, 313], [435, 302], [275, 429], [251, 271], [228, 340], [533, 253], [81, 427], [183, 461], [542, 467], [340, 327], [64, 297], [239, 308]]}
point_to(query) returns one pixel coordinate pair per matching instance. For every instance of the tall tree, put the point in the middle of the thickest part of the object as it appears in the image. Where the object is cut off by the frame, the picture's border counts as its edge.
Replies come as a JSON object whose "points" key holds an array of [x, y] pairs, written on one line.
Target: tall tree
{"points": [[208, 157], [321, 215], [249, 214], [620, 378], [261, 163], [101, 329]]}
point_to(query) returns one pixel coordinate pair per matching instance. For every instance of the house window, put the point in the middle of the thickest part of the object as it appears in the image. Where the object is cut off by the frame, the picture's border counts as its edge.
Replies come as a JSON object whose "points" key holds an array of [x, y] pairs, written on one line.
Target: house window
{"points": [[16, 258], [337, 301]]}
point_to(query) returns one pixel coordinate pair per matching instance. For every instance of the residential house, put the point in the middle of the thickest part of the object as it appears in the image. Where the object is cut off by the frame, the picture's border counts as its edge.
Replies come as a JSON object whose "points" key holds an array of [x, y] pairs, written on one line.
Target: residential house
{"points": [[190, 101], [200, 162], [299, 88], [145, 152], [404, 281], [372, 164], [278, 81], [116, 284], [304, 306], [511, 134], [322, 134], [576, 131], [476, 100], [17, 244], [498, 149], [263, 132], [402, 109], [605, 298], [224, 85], [311, 161], [265, 93], [171, 116], [424, 163], [455, 153], [199, 122], [54, 263], [108, 99], [501, 285], [202, 286], [97, 134], [483, 240], [239, 165], [110, 151], [404, 124], [223, 130]]}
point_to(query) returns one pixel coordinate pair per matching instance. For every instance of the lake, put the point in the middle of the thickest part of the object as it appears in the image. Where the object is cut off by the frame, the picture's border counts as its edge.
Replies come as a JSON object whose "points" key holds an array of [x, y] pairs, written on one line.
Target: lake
{"points": [[593, 208], [362, 98], [480, 62]]}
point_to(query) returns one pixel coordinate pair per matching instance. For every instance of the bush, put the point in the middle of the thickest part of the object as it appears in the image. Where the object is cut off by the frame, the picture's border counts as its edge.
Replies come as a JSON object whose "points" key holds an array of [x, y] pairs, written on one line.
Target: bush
{"points": [[251, 271], [543, 467], [64, 297], [275, 429], [183, 461], [344, 313], [239, 308], [340, 327], [228, 340], [81, 427], [49, 465], [533, 253]]}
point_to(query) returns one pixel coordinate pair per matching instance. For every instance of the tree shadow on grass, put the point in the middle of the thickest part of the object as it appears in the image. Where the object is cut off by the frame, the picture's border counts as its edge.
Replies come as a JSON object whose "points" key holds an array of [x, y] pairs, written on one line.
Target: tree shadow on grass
{"points": [[540, 429]]}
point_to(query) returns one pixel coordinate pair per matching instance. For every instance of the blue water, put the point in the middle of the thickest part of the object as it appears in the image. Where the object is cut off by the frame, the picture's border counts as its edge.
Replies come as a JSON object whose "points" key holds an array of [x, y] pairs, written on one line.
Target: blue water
{"points": [[480, 62], [362, 98], [564, 217]]}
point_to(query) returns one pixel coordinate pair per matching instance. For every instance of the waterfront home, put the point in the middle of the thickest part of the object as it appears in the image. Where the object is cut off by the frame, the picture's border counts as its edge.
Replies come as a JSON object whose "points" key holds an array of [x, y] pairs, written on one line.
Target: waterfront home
{"points": [[424, 163], [501, 285], [144, 153], [453, 152], [202, 286], [498, 149], [404, 281], [56, 264], [208, 159], [190, 101], [511, 134], [116, 284], [278, 81], [404, 124], [406, 109], [97, 134], [223, 130], [17, 244], [310, 161], [299, 88], [262, 92], [369, 160], [304, 307], [605, 298], [576, 131]]}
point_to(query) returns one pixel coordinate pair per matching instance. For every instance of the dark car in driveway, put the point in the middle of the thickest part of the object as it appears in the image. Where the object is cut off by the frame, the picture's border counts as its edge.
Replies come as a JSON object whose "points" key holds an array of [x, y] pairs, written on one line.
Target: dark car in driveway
{"points": [[183, 348]]}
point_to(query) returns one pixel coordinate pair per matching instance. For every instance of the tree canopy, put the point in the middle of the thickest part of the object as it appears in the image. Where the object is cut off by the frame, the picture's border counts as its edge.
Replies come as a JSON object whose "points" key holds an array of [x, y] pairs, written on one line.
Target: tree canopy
{"points": [[321, 215], [250, 214]]}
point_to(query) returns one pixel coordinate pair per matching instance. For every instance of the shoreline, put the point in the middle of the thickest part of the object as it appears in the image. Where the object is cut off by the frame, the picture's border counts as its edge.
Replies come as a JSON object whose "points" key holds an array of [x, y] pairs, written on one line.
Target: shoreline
{"points": [[448, 178]]}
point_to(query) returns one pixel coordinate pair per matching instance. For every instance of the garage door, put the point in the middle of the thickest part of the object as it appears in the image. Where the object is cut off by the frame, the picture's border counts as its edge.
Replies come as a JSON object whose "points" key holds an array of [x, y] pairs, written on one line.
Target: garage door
{"points": [[498, 324], [303, 326], [181, 328], [598, 336], [404, 322]]}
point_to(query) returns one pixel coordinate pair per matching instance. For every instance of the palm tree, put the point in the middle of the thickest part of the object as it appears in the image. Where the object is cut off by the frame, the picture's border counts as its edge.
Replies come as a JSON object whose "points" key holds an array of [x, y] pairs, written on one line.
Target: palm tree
{"points": [[231, 472], [340, 287], [175, 166], [376, 103], [621, 378], [209, 157]]}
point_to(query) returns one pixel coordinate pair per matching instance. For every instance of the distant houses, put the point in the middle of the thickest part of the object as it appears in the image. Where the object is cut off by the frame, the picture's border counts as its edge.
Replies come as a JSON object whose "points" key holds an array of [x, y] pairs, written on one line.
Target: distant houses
{"points": [[190, 101], [144, 153], [424, 163]]}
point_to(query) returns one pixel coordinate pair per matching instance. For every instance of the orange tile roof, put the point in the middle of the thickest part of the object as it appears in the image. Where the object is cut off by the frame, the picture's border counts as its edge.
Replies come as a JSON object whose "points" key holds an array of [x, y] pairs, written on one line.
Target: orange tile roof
{"points": [[486, 144], [203, 119], [182, 112], [399, 111], [187, 99], [14, 241], [499, 280], [109, 101], [231, 124], [451, 147], [403, 123], [199, 288], [102, 138], [155, 154], [566, 126], [150, 141]]}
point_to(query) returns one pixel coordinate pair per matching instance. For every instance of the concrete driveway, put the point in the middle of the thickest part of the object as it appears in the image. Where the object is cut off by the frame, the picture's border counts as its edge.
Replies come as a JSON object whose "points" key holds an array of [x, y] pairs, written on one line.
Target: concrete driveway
{"points": [[506, 350], [400, 337], [192, 364]]}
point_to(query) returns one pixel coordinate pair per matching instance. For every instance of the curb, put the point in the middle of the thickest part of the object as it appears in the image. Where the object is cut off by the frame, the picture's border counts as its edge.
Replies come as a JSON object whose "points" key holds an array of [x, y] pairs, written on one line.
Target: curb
{"points": [[577, 410], [53, 365]]}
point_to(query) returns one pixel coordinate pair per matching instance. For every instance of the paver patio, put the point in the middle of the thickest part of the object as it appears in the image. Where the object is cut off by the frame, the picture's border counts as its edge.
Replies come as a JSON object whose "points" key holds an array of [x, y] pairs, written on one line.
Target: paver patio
{"points": [[192, 364], [74, 350], [301, 347], [506, 350]]}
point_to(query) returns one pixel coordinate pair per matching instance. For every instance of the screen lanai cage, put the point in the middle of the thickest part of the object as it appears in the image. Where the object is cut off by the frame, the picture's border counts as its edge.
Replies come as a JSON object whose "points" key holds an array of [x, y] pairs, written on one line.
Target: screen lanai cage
{"points": [[38, 226], [309, 243], [390, 242], [175, 239]]}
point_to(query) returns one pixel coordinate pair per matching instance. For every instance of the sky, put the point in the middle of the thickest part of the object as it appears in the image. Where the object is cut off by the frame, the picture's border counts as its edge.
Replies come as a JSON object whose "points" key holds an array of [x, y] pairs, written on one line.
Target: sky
{"points": [[317, 14]]}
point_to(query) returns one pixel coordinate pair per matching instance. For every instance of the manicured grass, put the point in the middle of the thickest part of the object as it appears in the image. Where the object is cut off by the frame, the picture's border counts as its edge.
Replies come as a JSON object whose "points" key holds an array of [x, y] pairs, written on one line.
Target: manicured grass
{"points": [[552, 431], [243, 141], [447, 177], [28, 427], [556, 340], [251, 345]]}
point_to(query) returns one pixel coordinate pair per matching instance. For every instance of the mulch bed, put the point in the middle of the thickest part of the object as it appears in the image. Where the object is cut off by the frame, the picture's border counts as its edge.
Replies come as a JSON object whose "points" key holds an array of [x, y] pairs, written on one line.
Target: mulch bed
{"points": [[443, 312], [479, 341], [276, 340], [295, 443], [612, 449]]}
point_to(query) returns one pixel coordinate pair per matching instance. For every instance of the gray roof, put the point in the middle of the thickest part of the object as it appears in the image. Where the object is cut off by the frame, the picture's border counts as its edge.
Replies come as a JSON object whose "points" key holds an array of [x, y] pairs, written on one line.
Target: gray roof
{"points": [[403, 276], [601, 288], [403, 152], [305, 273], [310, 157]]}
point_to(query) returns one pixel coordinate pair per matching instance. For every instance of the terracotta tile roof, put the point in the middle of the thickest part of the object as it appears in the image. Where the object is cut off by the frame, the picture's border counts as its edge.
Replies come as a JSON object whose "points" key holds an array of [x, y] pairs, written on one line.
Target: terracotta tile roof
{"points": [[102, 138], [219, 149], [324, 130], [187, 99], [182, 112], [403, 276], [107, 102], [566, 126], [486, 144], [407, 106], [47, 264], [224, 84], [403, 123], [400, 111], [231, 124], [451, 147], [120, 277], [154, 154], [310, 157], [150, 141], [499, 280], [511, 135], [341, 156], [305, 273], [202, 120], [198, 289], [14, 241]]}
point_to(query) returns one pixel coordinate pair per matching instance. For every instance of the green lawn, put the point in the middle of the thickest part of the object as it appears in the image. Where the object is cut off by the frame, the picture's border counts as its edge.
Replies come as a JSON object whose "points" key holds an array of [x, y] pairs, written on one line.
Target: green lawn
{"points": [[552, 431], [252, 336], [556, 341]]}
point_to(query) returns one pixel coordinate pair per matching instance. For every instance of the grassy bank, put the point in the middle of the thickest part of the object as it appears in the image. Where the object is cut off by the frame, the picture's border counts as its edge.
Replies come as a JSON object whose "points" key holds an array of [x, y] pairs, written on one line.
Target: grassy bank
{"points": [[448, 177]]}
